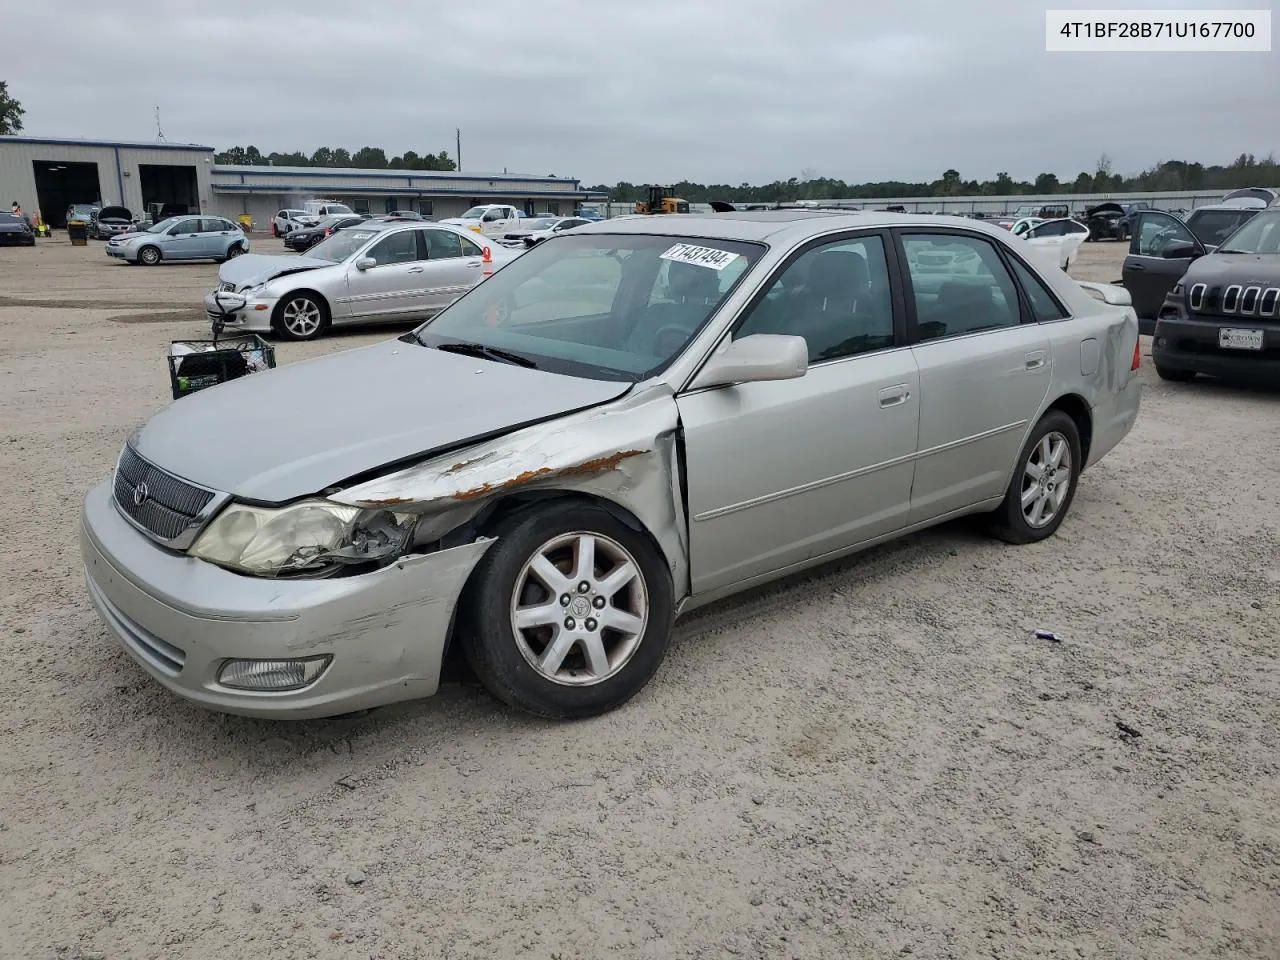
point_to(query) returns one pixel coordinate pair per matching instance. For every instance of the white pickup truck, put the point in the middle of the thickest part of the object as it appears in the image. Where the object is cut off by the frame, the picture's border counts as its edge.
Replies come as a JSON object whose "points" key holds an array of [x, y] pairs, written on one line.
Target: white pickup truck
{"points": [[490, 219]]}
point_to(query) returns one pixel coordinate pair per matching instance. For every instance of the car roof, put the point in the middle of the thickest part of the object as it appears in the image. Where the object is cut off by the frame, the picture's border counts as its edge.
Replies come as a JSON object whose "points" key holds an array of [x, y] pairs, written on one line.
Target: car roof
{"points": [[775, 225]]}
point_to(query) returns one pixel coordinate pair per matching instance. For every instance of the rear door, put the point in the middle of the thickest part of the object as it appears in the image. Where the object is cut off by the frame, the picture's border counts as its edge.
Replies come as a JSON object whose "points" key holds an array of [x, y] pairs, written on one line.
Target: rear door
{"points": [[1160, 250], [454, 265], [216, 234], [1047, 239], [985, 367]]}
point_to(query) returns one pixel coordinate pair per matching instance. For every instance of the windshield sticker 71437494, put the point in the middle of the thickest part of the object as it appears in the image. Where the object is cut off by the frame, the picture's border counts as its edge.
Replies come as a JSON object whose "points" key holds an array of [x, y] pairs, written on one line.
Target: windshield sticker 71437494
{"points": [[699, 256]]}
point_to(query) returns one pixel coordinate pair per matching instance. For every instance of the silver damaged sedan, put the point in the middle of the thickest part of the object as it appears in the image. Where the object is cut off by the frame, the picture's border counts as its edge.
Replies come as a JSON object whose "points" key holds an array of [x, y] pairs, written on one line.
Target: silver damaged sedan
{"points": [[373, 272], [628, 421]]}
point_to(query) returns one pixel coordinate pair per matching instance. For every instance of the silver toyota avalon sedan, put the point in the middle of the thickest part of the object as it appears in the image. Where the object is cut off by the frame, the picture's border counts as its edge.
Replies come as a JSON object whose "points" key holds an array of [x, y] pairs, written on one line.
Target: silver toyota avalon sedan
{"points": [[628, 421]]}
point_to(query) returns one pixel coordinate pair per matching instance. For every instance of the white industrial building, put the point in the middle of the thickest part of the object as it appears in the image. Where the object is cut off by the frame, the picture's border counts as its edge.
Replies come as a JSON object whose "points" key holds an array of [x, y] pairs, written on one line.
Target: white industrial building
{"points": [[48, 175]]}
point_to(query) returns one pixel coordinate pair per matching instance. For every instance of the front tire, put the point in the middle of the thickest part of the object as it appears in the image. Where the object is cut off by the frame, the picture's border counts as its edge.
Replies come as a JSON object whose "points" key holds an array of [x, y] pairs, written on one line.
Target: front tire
{"points": [[1175, 376], [1043, 484], [301, 316], [570, 612], [149, 256]]}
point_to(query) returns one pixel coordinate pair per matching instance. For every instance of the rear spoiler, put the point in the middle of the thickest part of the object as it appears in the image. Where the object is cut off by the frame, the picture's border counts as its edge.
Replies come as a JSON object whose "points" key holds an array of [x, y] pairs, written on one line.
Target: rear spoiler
{"points": [[1108, 293]]}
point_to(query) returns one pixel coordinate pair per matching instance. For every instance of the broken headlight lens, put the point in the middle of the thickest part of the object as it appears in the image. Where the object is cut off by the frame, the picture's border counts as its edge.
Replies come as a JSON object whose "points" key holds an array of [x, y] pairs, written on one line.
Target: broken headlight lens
{"points": [[306, 536]]}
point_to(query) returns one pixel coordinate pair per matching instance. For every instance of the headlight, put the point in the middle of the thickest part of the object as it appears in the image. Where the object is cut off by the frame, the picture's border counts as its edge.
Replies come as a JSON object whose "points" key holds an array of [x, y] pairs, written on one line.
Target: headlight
{"points": [[307, 536]]}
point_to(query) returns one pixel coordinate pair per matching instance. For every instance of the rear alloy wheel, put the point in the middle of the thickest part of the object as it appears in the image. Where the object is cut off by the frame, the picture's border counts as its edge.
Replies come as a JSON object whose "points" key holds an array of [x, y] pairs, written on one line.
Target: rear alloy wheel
{"points": [[1044, 482], [1175, 376], [570, 613], [149, 256], [301, 316]]}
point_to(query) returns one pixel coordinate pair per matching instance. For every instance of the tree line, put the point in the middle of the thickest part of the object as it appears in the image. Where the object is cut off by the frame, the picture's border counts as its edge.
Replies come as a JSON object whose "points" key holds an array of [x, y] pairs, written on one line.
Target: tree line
{"points": [[366, 158], [1170, 175]]}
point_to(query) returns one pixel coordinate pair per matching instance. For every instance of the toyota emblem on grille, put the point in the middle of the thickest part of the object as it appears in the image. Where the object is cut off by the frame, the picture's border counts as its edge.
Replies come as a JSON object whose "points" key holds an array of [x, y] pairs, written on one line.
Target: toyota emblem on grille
{"points": [[140, 494]]}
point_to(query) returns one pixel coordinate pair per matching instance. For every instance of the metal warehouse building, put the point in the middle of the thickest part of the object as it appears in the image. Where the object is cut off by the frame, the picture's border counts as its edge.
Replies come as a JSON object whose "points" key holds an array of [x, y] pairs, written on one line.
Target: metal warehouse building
{"points": [[48, 175], [261, 191]]}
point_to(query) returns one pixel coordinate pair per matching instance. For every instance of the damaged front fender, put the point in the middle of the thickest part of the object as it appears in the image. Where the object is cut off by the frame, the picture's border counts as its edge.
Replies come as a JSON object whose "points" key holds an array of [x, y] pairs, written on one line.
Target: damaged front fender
{"points": [[623, 453]]}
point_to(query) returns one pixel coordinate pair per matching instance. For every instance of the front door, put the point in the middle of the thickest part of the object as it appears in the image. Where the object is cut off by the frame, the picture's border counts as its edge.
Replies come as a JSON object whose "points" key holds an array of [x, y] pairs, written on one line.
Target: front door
{"points": [[185, 240], [1047, 240], [393, 287], [1160, 250], [983, 371], [788, 471]]}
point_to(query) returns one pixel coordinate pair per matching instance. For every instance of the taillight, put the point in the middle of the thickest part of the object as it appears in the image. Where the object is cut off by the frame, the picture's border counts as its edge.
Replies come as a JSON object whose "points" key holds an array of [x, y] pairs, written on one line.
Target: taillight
{"points": [[328, 232], [1137, 355]]}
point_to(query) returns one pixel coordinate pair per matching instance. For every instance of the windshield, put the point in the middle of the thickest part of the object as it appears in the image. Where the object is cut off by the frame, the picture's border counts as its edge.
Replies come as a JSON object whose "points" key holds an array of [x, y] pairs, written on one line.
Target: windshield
{"points": [[607, 307], [341, 245], [10, 218], [475, 213], [1261, 234], [163, 225], [1211, 227]]}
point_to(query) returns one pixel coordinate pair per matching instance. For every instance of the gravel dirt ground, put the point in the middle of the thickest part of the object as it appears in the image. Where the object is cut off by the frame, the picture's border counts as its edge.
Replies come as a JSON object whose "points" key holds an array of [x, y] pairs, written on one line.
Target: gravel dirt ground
{"points": [[877, 759]]}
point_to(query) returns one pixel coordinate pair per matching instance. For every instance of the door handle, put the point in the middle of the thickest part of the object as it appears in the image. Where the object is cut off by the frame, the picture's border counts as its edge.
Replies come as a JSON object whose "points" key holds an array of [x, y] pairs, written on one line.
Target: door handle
{"points": [[474, 266], [1035, 360], [1136, 267], [893, 396], [415, 269]]}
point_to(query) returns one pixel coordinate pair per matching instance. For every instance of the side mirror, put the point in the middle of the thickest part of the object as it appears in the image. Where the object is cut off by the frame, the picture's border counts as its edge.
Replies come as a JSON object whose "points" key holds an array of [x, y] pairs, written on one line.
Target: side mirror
{"points": [[761, 356], [1181, 251], [364, 263]]}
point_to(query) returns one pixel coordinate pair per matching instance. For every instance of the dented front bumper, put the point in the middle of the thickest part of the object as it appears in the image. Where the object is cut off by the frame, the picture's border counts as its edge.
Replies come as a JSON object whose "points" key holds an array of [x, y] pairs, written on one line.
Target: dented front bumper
{"points": [[182, 619]]}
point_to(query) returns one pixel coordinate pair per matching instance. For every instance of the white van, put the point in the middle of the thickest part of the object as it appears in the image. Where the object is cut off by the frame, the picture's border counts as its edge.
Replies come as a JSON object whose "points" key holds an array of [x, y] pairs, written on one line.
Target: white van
{"points": [[326, 208]]}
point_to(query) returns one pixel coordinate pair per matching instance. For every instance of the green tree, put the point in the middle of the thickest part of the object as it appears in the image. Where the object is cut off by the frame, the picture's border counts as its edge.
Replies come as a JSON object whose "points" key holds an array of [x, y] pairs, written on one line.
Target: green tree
{"points": [[1046, 183], [370, 158], [11, 112]]}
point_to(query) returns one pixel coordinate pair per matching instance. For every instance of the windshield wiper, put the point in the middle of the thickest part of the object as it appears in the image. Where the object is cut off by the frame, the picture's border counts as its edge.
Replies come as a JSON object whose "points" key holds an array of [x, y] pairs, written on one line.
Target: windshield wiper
{"points": [[488, 353]]}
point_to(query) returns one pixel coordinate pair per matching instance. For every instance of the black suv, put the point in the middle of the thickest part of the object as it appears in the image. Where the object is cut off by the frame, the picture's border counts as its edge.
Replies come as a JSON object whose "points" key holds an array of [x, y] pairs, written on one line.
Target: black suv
{"points": [[1222, 318]]}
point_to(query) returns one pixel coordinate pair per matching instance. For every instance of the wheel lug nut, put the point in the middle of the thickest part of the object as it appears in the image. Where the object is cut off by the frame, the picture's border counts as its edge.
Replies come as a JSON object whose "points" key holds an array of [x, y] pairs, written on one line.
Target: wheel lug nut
{"points": [[570, 623], [590, 624], [564, 599], [598, 603], [583, 587]]}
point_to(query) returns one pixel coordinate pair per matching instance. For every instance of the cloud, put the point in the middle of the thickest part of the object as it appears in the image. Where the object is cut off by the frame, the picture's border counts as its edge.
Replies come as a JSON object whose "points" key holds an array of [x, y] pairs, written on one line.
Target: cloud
{"points": [[709, 90]]}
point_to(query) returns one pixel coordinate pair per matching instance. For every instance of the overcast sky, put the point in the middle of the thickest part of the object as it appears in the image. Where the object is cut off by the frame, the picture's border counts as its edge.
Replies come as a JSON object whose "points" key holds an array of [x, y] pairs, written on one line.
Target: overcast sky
{"points": [[642, 90]]}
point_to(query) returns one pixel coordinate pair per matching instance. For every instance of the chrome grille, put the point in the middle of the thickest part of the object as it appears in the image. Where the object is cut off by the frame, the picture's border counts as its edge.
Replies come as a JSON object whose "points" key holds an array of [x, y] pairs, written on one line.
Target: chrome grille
{"points": [[1235, 300], [155, 500]]}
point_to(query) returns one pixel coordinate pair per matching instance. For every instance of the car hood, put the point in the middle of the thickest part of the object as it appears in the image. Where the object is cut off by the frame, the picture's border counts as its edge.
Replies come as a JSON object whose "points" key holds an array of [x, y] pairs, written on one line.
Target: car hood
{"points": [[6, 227], [1246, 269], [293, 431], [458, 222], [251, 269], [1104, 208]]}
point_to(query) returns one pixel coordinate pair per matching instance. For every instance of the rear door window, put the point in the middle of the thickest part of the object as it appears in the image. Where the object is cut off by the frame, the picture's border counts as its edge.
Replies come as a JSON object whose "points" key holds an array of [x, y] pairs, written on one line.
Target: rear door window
{"points": [[960, 285]]}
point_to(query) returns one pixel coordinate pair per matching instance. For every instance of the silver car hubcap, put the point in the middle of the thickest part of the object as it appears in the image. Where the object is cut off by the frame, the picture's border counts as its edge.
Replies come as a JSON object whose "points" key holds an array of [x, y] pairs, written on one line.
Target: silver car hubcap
{"points": [[301, 317], [150, 256], [1046, 480], [579, 609]]}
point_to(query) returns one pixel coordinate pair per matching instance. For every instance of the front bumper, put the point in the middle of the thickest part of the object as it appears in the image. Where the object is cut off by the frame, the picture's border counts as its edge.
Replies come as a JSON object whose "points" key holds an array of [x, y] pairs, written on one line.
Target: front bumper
{"points": [[1187, 344], [181, 618], [238, 312], [120, 252]]}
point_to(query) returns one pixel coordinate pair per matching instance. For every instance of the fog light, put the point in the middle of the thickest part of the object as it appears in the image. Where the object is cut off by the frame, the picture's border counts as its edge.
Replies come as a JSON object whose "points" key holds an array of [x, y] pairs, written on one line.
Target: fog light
{"points": [[274, 676]]}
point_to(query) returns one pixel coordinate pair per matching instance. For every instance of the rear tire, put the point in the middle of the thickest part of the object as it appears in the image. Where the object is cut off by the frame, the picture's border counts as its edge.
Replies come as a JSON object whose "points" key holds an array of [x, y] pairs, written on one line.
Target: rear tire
{"points": [[1044, 482], [595, 600], [1175, 376]]}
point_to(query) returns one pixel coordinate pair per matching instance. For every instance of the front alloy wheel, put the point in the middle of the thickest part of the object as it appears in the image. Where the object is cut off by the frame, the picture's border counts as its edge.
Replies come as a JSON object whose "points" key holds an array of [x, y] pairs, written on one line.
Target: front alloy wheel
{"points": [[579, 608], [569, 613], [300, 317]]}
